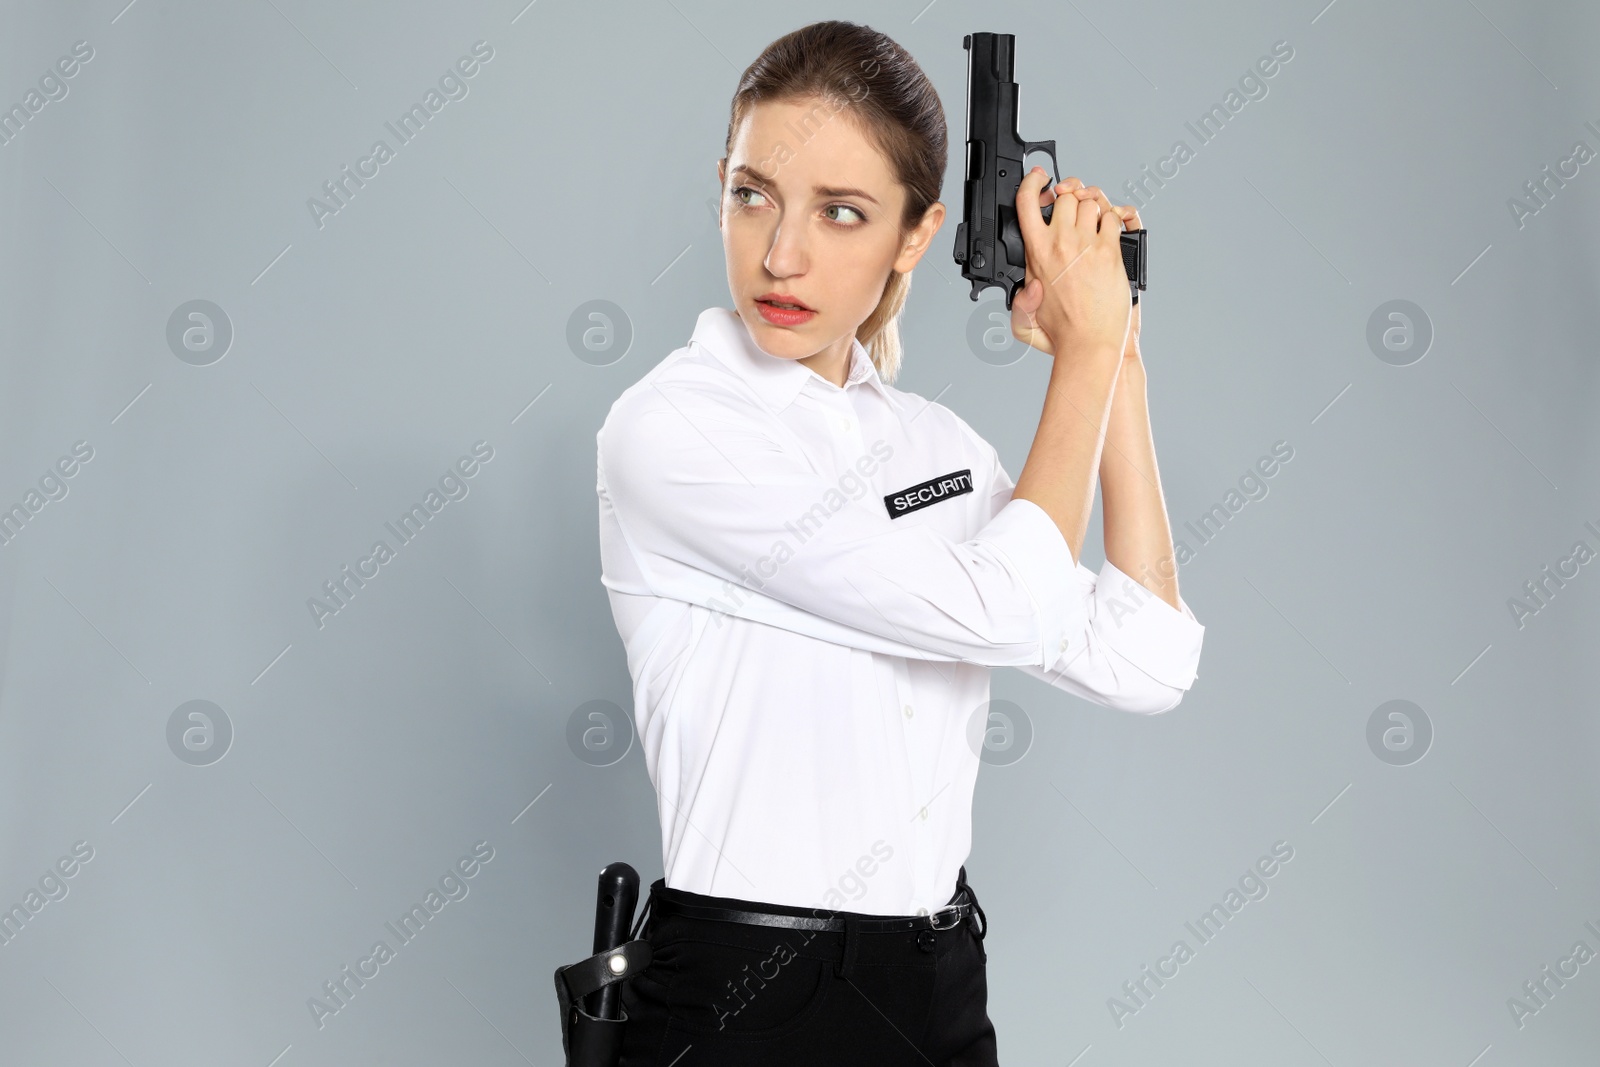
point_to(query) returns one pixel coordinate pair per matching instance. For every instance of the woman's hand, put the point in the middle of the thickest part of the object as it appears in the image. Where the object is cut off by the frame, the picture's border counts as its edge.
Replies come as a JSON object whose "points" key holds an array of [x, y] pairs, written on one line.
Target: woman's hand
{"points": [[1028, 311]]}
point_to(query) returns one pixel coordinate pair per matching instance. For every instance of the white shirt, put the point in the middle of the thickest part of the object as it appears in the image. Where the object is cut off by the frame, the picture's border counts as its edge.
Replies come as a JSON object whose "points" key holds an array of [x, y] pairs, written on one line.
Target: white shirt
{"points": [[809, 672]]}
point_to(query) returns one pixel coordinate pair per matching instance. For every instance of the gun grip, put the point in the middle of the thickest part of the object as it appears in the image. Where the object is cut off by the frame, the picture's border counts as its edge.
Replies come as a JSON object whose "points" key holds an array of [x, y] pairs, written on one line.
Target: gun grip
{"points": [[1134, 260]]}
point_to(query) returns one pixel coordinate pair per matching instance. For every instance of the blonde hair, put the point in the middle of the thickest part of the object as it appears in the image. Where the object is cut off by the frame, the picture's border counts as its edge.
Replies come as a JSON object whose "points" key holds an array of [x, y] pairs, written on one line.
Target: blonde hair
{"points": [[879, 332], [896, 107]]}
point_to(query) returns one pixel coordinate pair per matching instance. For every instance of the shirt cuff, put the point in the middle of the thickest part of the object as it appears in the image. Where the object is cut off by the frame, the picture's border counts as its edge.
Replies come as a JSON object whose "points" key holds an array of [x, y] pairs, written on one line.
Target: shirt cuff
{"points": [[1159, 639], [1026, 535]]}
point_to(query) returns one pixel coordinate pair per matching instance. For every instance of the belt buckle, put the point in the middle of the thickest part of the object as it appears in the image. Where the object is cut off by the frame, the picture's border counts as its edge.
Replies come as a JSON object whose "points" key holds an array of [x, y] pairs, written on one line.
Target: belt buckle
{"points": [[954, 909]]}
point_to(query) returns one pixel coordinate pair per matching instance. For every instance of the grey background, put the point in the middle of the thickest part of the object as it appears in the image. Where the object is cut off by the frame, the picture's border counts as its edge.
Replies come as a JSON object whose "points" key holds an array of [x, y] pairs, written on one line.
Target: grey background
{"points": [[433, 711]]}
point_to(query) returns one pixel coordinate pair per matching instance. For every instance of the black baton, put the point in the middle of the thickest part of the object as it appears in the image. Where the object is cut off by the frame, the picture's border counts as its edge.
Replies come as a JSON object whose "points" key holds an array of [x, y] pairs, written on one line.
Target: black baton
{"points": [[588, 992], [615, 898]]}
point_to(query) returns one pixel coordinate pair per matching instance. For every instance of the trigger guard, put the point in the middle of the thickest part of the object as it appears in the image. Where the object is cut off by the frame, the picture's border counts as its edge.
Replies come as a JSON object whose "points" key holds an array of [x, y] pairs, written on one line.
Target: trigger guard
{"points": [[1047, 147]]}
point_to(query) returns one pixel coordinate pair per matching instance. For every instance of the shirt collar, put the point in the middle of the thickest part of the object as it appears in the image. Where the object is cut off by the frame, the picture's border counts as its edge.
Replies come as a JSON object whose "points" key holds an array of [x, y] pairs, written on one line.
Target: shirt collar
{"points": [[777, 380]]}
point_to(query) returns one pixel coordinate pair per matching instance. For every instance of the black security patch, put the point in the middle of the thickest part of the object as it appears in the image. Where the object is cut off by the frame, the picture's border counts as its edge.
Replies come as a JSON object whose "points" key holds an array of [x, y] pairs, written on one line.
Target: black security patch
{"points": [[929, 492]]}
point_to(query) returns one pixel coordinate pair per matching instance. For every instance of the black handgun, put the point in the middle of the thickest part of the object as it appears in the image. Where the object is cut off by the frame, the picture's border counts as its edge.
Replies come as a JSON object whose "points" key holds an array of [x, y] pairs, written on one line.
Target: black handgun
{"points": [[988, 241]]}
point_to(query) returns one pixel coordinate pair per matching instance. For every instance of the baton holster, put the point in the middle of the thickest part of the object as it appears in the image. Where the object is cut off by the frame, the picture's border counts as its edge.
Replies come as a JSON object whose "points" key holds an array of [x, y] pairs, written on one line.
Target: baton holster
{"points": [[592, 1016]]}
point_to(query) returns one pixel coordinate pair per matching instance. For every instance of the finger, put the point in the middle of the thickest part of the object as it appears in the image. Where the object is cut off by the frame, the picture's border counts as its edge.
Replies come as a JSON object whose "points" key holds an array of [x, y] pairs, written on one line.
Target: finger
{"points": [[1088, 216], [1028, 298], [1093, 194], [1024, 326], [1098, 195], [1128, 213], [1065, 188], [1062, 190], [1111, 232], [1030, 220]]}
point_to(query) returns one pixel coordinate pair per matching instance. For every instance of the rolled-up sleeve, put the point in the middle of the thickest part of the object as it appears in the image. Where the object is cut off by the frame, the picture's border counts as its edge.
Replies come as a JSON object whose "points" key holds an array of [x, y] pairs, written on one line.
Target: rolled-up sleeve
{"points": [[1131, 650], [1137, 653], [718, 509]]}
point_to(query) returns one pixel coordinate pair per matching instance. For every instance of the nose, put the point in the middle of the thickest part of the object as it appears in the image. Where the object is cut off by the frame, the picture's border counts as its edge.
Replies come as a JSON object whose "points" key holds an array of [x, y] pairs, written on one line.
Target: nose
{"points": [[787, 255]]}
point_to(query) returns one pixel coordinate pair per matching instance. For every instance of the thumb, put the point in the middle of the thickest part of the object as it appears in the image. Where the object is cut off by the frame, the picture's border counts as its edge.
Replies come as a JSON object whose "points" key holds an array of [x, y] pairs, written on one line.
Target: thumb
{"points": [[1029, 297]]}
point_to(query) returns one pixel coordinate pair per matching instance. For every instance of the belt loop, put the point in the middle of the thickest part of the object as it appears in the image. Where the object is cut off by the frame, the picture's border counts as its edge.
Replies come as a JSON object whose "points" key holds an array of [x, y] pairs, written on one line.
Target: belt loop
{"points": [[847, 958]]}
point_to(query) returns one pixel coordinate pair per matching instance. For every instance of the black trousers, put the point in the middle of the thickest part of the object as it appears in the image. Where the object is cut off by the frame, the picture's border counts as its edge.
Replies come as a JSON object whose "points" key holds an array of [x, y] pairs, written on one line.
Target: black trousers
{"points": [[724, 994]]}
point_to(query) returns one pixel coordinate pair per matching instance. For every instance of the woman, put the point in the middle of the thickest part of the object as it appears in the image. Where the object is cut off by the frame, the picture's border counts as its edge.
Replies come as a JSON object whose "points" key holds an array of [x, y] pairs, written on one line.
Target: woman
{"points": [[812, 573]]}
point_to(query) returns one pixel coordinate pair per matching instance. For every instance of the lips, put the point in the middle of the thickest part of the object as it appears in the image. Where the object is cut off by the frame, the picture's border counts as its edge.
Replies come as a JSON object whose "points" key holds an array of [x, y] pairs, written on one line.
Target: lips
{"points": [[784, 300], [777, 315]]}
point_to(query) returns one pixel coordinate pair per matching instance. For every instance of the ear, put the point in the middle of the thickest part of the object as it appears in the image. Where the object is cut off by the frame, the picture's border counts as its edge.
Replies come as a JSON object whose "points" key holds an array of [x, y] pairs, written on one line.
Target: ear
{"points": [[919, 239]]}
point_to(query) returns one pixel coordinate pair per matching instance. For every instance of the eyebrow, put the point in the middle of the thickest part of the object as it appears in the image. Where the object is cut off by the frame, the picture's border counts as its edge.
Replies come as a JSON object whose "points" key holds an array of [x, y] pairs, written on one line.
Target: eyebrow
{"points": [[821, 190]]}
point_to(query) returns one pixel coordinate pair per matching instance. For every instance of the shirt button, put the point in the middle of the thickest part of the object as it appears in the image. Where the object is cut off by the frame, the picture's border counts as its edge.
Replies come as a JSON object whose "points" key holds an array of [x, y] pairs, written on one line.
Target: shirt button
{"points": [[922, 911], [908, 711], [1063, 644], [924, 814]]}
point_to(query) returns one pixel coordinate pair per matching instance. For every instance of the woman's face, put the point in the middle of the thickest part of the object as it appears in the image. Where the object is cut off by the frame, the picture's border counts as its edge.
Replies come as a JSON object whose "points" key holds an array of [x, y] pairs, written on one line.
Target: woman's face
{"points": [[811, 212]]}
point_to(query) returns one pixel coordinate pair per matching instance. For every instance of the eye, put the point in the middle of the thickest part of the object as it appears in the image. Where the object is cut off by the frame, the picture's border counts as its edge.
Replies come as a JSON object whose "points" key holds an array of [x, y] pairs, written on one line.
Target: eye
{"points": [[743, 189], [846, 207]]}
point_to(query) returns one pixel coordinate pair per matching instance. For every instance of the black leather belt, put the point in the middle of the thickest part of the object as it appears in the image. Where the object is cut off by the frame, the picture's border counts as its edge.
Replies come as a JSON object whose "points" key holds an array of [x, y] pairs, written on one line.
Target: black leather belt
{"points": [[943, 918]]}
